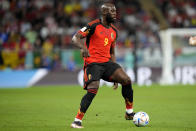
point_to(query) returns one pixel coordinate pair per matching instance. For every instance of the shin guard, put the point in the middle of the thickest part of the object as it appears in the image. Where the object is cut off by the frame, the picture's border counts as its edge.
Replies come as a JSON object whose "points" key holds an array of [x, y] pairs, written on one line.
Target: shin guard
{"points": [[127, 93], [87, 99]]}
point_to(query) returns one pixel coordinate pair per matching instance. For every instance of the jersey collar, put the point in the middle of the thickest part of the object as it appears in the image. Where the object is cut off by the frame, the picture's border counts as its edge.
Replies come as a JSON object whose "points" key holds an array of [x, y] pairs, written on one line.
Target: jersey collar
{"points": [[104, 25]]}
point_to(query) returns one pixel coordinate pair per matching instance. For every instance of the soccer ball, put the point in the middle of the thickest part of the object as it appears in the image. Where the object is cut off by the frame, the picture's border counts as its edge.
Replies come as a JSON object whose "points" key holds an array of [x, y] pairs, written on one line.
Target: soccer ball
{"points": [[141, 119]]}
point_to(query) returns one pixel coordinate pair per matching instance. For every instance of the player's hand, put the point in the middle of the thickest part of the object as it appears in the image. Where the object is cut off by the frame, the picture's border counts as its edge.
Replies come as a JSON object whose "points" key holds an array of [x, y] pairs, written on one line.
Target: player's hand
{"points": [[85, 52], [192, 40], [115, 86]]}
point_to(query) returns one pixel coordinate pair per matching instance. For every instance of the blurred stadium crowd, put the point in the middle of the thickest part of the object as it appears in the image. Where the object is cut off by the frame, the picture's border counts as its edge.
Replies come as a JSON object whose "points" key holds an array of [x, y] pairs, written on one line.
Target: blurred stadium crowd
{"points": [[33, 33]]}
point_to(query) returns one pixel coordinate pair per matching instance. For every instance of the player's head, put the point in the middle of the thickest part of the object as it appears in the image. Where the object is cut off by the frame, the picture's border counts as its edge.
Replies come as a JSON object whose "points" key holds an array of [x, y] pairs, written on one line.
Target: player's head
{"points": [[108, 10]]}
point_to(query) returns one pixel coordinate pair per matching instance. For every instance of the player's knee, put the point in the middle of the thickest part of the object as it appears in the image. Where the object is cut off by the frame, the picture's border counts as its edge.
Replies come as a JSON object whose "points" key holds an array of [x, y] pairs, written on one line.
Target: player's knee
{"points": [[126, 81], [93, 85]]}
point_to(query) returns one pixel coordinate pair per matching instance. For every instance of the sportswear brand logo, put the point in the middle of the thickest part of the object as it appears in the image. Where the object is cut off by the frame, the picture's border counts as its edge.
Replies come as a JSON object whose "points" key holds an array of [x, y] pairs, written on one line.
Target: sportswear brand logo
{"points": [[89, 76]]}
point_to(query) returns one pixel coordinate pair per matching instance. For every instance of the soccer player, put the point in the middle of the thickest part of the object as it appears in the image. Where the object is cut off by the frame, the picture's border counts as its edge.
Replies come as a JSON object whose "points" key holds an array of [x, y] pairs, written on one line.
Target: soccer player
{"points": [[99, 61]]}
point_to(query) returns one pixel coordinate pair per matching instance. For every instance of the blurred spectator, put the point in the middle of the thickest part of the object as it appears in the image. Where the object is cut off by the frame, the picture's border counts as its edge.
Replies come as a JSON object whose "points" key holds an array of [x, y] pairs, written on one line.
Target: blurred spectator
{"points": [[71, 65], [56, 62], [180, 13], [46, 62], [3, 35], [31, 36], [37, 53], [47, 47]]}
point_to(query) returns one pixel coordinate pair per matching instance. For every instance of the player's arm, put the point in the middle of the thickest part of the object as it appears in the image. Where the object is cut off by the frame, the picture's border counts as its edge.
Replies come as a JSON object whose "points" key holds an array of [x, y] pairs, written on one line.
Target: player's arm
{"points": [[77, 40], [192, 40]]}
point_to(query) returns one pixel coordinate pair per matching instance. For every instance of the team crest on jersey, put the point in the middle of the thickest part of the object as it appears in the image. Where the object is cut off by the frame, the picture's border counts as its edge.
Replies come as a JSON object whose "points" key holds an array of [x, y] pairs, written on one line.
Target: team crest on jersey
{"points": [[89, 76], [112, 35]]}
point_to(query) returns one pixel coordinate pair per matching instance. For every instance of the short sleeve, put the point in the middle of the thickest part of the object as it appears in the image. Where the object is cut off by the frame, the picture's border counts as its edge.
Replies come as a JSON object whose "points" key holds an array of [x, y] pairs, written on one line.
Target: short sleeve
{"points": [[84, 31]]}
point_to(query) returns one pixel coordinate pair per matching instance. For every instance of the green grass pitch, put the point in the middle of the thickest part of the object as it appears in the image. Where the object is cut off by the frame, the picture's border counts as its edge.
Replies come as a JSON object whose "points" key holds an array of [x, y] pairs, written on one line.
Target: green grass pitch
{"points": [[53, 108]]}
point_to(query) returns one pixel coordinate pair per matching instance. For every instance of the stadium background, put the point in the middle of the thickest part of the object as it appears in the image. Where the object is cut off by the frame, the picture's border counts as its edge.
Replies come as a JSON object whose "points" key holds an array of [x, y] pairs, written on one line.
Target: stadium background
{"points": [[36, 52], [36, 34]]}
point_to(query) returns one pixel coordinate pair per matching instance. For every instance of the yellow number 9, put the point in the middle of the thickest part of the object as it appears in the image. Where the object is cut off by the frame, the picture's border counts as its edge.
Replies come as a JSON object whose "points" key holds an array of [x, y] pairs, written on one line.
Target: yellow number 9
{"points": [[106, 41]]}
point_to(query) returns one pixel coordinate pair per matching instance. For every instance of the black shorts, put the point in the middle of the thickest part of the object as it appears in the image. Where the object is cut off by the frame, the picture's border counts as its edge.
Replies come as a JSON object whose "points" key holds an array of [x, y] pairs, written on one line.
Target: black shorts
{"points": [[97, 71]]}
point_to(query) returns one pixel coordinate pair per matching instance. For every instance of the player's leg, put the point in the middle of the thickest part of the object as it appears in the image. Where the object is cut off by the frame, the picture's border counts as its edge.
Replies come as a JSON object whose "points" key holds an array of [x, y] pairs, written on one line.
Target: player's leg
{"points": [[127, 92], [92, 89], [92, 75], [115, 73]]}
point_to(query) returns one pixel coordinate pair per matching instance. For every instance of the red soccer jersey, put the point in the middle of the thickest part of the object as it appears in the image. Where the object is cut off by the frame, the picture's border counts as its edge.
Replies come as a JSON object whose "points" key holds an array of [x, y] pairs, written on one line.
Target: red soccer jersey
{"points": [[99, 40]]}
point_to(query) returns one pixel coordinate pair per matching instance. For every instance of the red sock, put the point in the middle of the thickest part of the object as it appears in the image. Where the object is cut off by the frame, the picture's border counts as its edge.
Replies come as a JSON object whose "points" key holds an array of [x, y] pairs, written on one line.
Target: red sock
{"points": [[129, 105], [80, 115]]}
